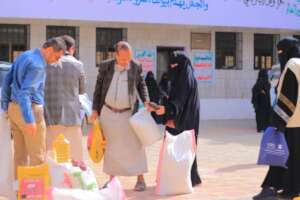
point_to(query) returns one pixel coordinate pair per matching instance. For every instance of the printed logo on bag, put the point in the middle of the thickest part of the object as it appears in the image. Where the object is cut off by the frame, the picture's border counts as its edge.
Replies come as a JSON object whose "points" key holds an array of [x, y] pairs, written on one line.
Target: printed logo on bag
{"points": [[32, 189], [271, 146], [275, 149]]}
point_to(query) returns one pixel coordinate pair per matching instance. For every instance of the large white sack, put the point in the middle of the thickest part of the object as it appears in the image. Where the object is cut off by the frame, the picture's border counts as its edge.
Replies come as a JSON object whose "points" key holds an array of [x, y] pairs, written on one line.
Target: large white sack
{"points": [[145, 127], [175, 163], [6, 166], [113, 191]]}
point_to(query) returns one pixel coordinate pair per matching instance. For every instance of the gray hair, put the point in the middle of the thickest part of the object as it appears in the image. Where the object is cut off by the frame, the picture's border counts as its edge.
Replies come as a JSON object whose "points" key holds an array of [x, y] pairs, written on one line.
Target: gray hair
{"points": [[57, 43], [70, 42], [122, 45]]}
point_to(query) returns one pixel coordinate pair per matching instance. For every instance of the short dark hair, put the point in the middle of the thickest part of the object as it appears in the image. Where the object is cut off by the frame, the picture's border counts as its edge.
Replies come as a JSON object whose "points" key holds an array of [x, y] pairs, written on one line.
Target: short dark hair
{"points": [[57, 43], [70, 42], [122, 45]]}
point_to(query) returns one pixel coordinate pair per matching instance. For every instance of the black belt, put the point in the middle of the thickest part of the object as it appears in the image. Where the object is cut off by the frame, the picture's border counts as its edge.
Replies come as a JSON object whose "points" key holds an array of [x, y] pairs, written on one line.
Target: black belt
{"points": [[116, 110]]}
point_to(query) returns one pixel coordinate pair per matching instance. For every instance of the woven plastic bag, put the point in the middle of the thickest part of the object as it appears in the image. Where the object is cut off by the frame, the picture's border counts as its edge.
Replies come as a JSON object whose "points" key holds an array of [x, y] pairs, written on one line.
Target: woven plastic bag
{"points": [[176, 158], [145, 127], [96, 143]]}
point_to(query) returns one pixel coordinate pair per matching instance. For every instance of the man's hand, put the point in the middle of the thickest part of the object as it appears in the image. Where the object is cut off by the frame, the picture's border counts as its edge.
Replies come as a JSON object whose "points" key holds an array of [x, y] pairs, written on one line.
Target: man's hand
{"points": [[31, 129], [149, 107], [161, 110], [94, 116]]}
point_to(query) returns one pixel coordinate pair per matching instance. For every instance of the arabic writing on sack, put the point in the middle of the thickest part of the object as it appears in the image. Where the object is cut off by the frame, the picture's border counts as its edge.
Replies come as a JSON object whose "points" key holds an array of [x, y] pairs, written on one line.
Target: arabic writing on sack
{"points": [[181, 4]]}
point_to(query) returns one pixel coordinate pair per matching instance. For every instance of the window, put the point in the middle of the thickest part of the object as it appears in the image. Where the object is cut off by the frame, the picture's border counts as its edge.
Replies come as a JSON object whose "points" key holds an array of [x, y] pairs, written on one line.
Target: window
{"points": [[54, 31], [228, 50], [106, 38], [264, 46], [14, 39], [297, 36], [201, 41]]}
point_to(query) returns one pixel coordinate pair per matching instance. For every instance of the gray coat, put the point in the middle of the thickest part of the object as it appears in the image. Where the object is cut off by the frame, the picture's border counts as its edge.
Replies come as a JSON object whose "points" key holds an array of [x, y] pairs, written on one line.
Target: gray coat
{"points": [[64, 82], [136, 84]]}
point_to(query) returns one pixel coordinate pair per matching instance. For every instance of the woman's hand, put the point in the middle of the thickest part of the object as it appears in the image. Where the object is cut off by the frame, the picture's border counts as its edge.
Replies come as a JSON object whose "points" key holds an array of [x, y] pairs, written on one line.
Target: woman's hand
{"points": [[170, 123], [161, 110]]}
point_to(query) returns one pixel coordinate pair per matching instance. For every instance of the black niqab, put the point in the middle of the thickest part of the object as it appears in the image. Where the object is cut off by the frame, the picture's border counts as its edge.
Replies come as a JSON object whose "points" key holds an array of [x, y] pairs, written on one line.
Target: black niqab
{"points": [[183, 66], [290, 48]]}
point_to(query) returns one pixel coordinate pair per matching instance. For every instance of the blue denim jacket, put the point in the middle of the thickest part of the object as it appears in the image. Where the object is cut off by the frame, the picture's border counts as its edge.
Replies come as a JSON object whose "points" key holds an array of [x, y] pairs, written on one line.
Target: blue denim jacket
{"points": [[24, 84]]}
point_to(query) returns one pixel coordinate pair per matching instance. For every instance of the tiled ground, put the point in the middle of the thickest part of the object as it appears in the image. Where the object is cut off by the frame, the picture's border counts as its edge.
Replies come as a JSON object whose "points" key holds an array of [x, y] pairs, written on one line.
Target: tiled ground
{"points": [[227, 153]]}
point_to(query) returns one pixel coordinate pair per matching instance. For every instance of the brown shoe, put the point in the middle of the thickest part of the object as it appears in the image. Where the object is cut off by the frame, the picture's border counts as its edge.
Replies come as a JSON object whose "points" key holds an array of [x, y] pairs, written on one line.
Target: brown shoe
{"points": [[140, 186]]}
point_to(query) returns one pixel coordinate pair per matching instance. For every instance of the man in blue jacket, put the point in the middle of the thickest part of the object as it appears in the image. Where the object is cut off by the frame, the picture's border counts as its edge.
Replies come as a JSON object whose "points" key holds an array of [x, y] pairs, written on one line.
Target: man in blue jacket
{"points": [[23, 99]]}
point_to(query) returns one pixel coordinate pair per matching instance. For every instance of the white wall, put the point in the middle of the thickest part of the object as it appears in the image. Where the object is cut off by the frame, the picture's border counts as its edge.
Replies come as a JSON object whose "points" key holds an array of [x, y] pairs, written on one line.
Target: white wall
{"points": [[228, 97], [226, 109]]}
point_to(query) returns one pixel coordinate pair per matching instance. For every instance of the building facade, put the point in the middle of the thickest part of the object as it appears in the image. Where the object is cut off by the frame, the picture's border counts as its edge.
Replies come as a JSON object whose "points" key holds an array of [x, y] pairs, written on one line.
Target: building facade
{"points": [[240, 46]]}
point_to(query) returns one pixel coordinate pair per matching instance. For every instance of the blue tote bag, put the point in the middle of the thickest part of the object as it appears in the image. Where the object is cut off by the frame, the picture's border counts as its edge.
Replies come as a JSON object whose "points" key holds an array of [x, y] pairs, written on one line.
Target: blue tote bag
{"points": [[273, 149]]}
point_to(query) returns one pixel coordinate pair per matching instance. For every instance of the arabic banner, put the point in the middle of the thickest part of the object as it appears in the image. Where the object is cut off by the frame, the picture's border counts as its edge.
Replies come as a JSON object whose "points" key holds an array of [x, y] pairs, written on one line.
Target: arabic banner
{"points": [[281, 14], [147, 58], [203, 63]]}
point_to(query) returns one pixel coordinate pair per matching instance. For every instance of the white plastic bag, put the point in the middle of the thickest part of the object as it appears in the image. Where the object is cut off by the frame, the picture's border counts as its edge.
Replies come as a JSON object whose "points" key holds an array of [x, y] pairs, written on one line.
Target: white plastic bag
{"points": [[86, 104], [175, 163], [6, 166], [67, 176], [113, 191], [145, 127]]}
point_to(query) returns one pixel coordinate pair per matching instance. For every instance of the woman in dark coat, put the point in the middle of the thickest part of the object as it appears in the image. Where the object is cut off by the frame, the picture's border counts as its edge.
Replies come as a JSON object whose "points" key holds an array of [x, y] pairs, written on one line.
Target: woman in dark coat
{"points": [[182, 109], [261, 100], [164, 83], [285, 116], [153, 88]]}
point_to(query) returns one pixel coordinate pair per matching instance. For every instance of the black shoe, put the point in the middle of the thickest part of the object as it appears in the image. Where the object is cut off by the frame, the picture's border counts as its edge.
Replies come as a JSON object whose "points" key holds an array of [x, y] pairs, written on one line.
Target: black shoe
{"points": [[266, 194], [285, 195]]}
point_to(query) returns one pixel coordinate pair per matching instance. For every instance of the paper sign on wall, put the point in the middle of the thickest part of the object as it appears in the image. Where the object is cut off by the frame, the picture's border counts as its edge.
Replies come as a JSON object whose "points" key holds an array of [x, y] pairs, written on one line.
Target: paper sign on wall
{"points": [[147, 58], [203, 63]]}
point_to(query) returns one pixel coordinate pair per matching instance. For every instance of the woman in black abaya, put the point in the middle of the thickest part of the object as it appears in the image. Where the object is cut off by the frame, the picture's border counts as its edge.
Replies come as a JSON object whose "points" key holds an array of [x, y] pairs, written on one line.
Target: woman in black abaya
{"points": [[182, 109], [279, 181], [261, 100], [164, 83]]}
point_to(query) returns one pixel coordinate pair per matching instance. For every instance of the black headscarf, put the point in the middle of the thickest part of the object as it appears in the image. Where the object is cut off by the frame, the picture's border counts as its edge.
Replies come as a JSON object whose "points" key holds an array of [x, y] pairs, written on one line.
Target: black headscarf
{"points": [[180, 71], [263, 76], [290, 48]]}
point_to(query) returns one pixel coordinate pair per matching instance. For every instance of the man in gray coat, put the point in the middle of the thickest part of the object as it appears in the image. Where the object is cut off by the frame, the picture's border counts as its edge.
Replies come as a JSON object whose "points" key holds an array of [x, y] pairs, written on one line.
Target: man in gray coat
{"points": [[119, 83], [65, 81]]}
